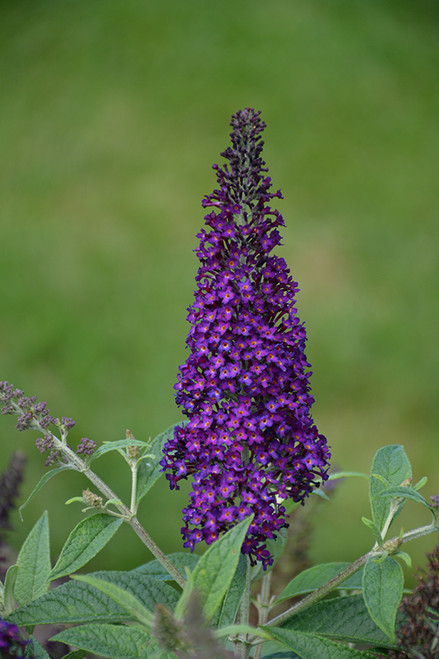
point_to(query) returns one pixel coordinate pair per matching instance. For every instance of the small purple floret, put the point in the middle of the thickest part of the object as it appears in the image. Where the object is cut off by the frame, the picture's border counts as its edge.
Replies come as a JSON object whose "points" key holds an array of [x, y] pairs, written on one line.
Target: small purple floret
{"points": [[250, 442]]}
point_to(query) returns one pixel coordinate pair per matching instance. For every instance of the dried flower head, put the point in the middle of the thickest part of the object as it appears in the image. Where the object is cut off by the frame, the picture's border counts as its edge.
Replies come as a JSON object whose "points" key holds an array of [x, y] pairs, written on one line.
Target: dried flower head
{"points": [[92, 499], [418, 635], [250, 442]]}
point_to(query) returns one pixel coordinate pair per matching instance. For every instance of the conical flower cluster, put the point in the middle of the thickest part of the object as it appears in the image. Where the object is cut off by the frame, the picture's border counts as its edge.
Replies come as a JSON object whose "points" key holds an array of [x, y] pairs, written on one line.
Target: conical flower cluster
{"points": [[250, 442]]}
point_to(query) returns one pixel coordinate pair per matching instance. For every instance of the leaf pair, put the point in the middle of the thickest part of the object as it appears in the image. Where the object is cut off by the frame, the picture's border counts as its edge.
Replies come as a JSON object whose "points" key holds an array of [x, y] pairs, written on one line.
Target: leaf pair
{"points": [[34, 572]]}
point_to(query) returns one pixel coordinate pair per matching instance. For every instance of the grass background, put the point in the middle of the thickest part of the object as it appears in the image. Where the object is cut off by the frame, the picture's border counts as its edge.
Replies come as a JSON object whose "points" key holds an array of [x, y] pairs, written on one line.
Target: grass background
{"points": [[111, 116]]}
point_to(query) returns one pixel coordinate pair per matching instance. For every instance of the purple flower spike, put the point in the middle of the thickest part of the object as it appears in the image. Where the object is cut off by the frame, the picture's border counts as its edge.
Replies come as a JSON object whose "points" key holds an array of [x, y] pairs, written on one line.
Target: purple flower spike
{"points": [[11, 642], [250, 442]]}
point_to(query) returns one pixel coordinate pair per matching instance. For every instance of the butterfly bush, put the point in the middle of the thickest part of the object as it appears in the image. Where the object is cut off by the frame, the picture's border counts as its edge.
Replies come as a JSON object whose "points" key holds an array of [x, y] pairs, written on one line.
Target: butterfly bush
{"points": [[250, 442]]}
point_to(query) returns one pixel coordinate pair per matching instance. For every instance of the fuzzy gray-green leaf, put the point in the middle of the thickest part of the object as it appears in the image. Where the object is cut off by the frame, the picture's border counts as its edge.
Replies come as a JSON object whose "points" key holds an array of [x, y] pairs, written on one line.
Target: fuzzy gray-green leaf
{"points": [[309, 646], [79, 602], [383, 583], [32, 578], [216, 567], [316, 576], [341, 618], [122, 597], [84, 542], [112, 641], [34, 650], [226, 613], [41, 483], [117, 445], [390, 468]]}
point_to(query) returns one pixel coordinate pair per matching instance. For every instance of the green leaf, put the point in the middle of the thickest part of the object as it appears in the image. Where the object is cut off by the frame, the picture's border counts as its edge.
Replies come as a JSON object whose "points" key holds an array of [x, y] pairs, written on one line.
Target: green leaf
{"points": [[375, 530], [216, 567], [405, 493], [76, 601], [180, 560], [404, 557], [420, 484], [32, 579], [117, 445], [310, 646], [149, 472], [84, 542], [121, 596], [347, 474], [34, 650], [321, 494], [390, 468], [8, 590], [41, 483], [277, 650], [383, 584], [112, 641], [185, 597], [76, 654], [343, 618], [241, 629], [315, 577], [226, 613]]}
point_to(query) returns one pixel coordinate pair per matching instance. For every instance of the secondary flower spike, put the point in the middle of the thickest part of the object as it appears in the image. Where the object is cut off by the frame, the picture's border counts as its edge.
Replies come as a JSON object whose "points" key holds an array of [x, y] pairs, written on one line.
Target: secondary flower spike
{"points": [[250, 442]]}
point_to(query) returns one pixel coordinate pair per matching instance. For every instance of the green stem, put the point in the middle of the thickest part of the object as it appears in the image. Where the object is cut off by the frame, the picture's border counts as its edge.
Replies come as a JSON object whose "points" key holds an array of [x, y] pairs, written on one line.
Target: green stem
{"points": [[321, 592], [79, 465], [263, 606], [244, 614], [133, 507]]}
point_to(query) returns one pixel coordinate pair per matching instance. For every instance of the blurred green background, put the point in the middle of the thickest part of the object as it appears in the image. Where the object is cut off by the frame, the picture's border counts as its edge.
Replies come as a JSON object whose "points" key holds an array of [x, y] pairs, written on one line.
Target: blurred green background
{"points": [[111, 115]]}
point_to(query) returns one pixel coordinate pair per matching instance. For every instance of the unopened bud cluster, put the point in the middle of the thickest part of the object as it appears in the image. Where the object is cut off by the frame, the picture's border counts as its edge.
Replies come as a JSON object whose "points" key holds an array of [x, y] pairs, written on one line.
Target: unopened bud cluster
{"points": [[34, 415]]}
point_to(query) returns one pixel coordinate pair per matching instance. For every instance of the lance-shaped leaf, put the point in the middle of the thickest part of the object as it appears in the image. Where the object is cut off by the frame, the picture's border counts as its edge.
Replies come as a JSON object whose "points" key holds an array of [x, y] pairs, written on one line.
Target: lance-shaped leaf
{"points": [[316, 576], [112, 641], [121, 596], [150, 470], [76, 601], [117, 445], [41, 483], [84, 542], [310, 646], [32, 578], [276, 650], [341, 618], [34, 650], [405, 493], [216, 567], [8, 589], [383, 583], [226, 613], [390, 468]]}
